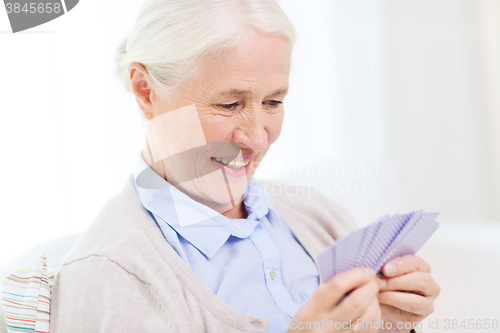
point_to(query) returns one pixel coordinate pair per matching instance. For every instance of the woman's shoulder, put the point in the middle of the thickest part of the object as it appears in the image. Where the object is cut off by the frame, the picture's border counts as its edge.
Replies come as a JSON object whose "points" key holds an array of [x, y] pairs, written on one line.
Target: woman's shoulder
{"points": [[316, 220], [306, 200]]}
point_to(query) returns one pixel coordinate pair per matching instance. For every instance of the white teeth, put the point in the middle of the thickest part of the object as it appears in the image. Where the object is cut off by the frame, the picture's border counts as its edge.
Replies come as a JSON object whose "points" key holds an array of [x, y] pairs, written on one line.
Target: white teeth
{"points": [[234, 164]]}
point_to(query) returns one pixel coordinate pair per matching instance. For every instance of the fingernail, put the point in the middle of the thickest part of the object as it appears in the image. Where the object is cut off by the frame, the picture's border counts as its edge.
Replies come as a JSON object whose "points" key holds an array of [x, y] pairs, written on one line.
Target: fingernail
{"points": [[390, 269]]}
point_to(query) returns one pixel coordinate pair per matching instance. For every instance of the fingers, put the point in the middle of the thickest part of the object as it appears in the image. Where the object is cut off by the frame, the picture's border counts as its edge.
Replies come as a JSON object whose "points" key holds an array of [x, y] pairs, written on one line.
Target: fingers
{"points": [[372, 315], [406, 264], [357, 302], [416, 282], [330, 292], [323, 303], [409, 302]]}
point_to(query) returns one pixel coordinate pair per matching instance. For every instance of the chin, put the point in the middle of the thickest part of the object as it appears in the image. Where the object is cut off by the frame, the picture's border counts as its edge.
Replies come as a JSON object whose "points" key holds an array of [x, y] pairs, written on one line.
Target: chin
{"points": [[212, 191], [221, 196]]}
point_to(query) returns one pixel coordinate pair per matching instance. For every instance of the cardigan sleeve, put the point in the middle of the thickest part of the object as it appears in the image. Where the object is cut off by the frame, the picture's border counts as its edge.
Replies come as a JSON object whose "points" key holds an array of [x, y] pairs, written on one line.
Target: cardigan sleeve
{"points": [[95, 294]]}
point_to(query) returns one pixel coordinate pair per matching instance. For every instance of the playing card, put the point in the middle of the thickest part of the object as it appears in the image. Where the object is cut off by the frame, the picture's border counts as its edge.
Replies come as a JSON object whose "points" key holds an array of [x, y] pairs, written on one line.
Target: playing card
{"points": [[390, 228], [376, 244], [413, 241], [370, 232], [326, 264], [373, 251], [395, 243], [347, 250], [358, 251]]}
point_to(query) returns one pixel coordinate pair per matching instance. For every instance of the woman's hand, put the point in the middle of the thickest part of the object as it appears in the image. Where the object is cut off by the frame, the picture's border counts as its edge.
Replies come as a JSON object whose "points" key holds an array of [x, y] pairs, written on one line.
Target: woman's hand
{"points": [[322, 309], [407, 291]]}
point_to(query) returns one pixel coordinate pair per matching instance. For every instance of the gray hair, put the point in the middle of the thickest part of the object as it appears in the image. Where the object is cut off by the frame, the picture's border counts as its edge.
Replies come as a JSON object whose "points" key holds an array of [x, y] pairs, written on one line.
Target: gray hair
{"points": [[170, 35]]}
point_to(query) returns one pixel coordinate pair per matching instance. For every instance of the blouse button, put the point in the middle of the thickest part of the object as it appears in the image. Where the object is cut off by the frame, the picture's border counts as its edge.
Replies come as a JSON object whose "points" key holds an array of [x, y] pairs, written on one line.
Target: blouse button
{"points": [[272, 274]]}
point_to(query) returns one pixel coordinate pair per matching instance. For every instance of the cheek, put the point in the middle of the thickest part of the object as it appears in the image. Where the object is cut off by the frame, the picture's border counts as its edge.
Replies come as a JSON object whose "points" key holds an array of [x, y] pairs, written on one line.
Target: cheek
{"points": [[216, 128], [273, 126]]}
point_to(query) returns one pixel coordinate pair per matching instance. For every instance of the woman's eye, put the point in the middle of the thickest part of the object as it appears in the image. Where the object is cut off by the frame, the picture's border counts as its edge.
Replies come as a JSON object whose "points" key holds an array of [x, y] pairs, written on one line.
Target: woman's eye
{"points": [[274, 103], [229, 106]]}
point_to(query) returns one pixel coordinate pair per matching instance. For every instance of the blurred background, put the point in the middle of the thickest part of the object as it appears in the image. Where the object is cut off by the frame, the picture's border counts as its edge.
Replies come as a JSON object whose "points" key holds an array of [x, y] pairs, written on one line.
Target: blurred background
{"points": [[393, 106]]}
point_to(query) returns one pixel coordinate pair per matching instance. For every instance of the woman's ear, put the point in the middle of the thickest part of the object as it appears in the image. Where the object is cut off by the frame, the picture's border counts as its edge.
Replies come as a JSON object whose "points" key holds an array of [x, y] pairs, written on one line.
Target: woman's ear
{"points": [[141, 87]]}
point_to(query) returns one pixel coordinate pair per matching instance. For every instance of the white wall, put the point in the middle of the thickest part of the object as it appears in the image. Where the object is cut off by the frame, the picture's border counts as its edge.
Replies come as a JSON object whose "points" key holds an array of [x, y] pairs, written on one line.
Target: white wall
{"points": [[57, 162], [436, 109], [335, 131], [488, 17], [412, 93]]}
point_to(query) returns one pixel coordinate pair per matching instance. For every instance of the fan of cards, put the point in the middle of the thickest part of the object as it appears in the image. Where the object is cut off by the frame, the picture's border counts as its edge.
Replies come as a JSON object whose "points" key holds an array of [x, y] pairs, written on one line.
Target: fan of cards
{"points": [[378, 243]]}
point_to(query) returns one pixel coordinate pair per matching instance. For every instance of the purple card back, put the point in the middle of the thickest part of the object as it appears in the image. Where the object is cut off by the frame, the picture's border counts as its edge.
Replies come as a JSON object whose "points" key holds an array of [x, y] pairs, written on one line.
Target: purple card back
{"points": [[412, 240], [374, 245]]}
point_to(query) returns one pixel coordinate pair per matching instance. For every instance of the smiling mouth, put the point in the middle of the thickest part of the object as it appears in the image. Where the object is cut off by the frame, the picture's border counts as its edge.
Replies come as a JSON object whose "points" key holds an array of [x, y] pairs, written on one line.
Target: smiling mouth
{"points": [[233, 164]]}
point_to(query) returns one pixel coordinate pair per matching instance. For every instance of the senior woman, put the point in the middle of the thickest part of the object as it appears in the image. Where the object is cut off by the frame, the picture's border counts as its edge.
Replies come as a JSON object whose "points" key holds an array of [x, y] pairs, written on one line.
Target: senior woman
{"points": [[193, 243]]}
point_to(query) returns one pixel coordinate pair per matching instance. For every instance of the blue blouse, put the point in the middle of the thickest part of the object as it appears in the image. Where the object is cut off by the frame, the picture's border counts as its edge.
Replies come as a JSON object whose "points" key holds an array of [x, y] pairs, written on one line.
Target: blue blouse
{"points": [[254, 265]]}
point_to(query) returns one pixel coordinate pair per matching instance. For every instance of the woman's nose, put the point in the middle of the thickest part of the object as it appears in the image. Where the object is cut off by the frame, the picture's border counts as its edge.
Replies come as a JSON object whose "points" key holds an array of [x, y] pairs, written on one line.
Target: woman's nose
{"points": [[252, 132]]}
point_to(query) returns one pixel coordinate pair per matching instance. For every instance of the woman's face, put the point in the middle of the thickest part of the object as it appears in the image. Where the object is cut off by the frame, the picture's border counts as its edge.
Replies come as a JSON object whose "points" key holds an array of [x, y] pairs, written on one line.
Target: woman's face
{"points": [[238, 98]]}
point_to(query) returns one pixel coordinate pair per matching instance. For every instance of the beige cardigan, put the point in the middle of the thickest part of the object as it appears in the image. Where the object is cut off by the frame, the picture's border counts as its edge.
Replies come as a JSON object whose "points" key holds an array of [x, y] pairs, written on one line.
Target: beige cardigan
{"points": [[123, 276]]}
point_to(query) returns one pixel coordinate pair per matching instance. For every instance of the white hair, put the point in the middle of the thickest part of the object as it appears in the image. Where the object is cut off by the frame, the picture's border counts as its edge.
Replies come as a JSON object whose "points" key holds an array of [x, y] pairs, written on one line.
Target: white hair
{"points": [[170, 35]]}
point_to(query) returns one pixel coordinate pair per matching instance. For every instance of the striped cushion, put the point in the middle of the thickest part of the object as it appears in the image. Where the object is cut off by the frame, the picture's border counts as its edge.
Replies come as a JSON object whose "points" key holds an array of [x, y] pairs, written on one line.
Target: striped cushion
{"points": [[26, 298]]}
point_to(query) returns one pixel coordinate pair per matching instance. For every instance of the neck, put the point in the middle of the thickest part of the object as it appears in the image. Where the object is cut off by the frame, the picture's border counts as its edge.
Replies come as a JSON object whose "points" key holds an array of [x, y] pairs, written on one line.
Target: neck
{"points": [[237, 212]]}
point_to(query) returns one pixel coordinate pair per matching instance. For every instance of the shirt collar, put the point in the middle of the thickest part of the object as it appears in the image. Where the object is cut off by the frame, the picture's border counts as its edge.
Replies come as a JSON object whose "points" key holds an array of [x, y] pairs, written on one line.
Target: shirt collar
{"points": [[257, 201], [203, 227]]}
